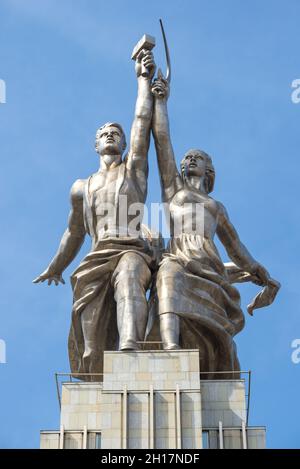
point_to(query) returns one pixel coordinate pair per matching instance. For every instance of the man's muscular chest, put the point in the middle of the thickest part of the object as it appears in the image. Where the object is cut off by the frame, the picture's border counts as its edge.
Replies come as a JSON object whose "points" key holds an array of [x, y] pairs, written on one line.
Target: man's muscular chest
{"points": [[103, 188]]}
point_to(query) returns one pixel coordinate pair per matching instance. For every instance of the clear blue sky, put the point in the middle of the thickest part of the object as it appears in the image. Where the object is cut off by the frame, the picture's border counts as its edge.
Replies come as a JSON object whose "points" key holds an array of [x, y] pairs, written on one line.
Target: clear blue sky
{"points": [[67, 69]]}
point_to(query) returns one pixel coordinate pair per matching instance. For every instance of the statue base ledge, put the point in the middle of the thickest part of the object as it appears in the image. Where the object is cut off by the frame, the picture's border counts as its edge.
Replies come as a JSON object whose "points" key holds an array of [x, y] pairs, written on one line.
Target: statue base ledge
{"points": [[153, 399]]}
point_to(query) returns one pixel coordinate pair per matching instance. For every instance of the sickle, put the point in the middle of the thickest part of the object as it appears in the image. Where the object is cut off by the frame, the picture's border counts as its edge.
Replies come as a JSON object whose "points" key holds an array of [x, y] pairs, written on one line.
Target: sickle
{"points": [[168, 75]]}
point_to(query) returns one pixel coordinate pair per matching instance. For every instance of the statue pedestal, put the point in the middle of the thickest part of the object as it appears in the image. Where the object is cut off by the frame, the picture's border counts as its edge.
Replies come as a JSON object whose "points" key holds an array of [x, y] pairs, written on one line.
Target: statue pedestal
{"points": [[153, 399]]}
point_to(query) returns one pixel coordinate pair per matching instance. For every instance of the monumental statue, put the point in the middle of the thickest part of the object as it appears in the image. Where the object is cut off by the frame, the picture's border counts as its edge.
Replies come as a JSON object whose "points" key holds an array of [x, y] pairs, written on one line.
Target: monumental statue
{"points": [[110, 309], [192, 294], [198, 305]]}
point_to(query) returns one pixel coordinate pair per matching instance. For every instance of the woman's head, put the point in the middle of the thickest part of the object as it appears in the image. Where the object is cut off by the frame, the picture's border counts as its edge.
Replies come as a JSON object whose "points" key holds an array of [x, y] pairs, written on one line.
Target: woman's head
{"points": [[198, 163]]}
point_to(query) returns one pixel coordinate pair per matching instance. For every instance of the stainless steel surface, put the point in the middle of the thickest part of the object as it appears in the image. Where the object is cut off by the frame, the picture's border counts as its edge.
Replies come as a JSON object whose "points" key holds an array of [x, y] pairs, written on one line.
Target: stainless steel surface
{"points": [[192, 293], [198, 305], [146, 43], [168, 59], [110, 309]]}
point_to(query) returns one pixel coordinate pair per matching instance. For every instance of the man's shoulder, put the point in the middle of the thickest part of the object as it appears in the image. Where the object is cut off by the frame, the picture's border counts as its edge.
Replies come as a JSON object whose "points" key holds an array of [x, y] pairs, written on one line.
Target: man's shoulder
{"points": [[136, 163], [77, 189]]}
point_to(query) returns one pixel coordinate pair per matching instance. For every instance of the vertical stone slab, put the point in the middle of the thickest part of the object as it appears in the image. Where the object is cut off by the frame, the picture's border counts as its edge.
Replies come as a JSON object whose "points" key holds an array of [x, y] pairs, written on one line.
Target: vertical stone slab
{"points": [[171, 381]]}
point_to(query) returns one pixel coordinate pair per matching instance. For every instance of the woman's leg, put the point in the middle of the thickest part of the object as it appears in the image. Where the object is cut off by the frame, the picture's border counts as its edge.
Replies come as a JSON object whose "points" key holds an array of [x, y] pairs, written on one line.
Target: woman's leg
{"points": [[170, 330]]}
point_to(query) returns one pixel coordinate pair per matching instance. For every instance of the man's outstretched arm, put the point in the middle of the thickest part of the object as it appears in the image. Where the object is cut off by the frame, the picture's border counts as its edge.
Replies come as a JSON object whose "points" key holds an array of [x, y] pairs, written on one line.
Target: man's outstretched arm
{"points": [[236, 250], [71, 241], [140, 130], [169, 175]]}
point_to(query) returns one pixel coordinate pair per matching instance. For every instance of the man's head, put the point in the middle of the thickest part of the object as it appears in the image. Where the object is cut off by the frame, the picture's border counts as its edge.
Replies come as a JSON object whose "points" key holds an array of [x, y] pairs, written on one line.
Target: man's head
{"points": [[198, 163], [110, 140]]}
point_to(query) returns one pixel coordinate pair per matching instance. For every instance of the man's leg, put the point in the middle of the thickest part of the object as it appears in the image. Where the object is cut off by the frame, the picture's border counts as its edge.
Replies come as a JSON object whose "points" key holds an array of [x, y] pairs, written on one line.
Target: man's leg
{"points": [[89, 328], [131, 280]]}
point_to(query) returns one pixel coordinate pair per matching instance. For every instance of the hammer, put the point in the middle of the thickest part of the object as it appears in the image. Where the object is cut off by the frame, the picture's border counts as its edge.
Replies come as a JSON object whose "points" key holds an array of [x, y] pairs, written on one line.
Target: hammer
{"points": [[145, 43]]}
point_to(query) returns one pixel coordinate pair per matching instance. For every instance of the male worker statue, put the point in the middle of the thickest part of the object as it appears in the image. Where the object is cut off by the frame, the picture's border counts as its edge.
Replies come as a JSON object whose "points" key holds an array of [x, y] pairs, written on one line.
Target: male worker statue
{"points": [[110, 307]]}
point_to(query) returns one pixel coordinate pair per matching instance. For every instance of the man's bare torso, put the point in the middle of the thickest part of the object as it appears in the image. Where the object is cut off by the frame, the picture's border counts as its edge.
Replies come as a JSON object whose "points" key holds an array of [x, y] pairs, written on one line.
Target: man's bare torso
{"points": [[103, 187]]}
